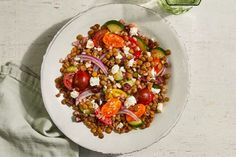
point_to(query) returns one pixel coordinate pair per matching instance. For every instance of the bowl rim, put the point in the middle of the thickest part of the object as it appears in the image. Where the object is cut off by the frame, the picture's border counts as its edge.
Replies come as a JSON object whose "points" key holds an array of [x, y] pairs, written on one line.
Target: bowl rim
{"points": [[181, 44]]}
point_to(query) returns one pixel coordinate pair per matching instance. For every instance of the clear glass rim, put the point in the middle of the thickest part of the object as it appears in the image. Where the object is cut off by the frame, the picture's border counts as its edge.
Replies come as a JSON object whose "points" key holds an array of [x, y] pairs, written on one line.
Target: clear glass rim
{"points": [[195, 3]]}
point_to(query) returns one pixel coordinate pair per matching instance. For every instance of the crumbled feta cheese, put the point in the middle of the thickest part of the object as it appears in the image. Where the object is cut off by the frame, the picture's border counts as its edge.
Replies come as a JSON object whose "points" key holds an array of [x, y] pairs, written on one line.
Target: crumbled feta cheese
{"points": [[94, 81], [119, 56], [89, 44], [134, 69], [74, 94], [122, 69], [133, 79], [120, 125], [126, 50], [133, 31], [149, 54], [137, 49], [152, 39], [131, 62], [95, 105], [155, 90], [105, 87], [77, 58], [159, 107], [98, 48], [153, 72], [100, 102], [87, 64], [115, 69], [118, 85], [111, 78], [130, 101], [139, 76]]}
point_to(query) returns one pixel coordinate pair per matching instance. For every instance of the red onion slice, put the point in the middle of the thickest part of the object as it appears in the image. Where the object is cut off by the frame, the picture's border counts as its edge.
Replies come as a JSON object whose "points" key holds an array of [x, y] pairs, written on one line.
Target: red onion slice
{"points": [[95, 68], [83, 95], [130, 113], [96, 61]]}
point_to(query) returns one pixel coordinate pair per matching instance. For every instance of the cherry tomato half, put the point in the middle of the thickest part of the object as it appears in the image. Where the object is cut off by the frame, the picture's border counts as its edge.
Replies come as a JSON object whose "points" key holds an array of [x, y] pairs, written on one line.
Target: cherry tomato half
{"points": [[81, 80], [97, 39], [113, 40], [145, 96], [111, 107], [102, 118], [138, 110], [68, 80], [158, 66]]}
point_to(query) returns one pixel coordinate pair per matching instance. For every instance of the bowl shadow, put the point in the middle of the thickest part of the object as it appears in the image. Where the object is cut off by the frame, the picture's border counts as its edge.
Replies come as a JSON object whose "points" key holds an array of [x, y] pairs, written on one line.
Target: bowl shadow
{"points": [[33, 59]]}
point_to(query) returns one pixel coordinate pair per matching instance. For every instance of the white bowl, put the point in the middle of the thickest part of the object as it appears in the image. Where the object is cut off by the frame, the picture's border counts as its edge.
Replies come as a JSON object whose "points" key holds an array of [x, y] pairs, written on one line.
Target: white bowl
{"points": [[150, 24]]}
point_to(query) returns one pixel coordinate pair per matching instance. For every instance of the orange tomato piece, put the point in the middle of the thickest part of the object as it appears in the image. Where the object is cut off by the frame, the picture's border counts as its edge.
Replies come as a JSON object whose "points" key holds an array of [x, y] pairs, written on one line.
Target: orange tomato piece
{"points": [[111, 107], [157, 65], [139, 112], [113, 40]]}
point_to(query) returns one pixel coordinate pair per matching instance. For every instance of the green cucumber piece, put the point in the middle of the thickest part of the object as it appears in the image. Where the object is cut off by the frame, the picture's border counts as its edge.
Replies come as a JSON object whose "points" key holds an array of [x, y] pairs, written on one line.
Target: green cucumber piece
{"points": [[130, 82], [156, 86], [114, 26], [136, 123], [71, 69], [118, 76], [158, 52], [141, 43]]}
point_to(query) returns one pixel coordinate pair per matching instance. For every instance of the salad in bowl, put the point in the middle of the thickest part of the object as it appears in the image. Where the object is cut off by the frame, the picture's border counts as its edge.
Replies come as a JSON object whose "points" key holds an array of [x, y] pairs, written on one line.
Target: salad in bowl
{"points": [[115, 78]]}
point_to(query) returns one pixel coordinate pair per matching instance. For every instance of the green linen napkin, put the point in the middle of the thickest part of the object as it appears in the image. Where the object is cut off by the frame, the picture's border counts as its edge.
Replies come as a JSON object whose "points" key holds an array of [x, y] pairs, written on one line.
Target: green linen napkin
{"points": [[25, 127]]}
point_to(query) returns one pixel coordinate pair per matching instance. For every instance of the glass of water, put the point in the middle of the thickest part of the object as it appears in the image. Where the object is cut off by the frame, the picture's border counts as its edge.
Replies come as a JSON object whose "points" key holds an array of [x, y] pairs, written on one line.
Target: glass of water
{"points": [[178, 6]]}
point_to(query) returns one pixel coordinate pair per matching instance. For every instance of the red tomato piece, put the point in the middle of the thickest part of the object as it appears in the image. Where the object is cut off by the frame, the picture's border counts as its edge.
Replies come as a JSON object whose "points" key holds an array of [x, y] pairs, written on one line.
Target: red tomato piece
{"points": [[81, 80], [145, 96], [68, 80]]}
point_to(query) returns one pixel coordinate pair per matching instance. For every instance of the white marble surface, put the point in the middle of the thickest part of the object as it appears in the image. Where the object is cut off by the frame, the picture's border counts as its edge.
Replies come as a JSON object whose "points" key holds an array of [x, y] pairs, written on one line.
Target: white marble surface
{"points": [[207, 127]]}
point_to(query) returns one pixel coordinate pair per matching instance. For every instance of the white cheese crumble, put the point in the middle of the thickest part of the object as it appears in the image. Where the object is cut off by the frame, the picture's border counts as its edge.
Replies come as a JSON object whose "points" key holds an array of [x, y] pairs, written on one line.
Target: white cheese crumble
{"points": [[95, 105], [126, 50], [133, 31], [133, 79], [149, 54], [94, 81], [98, 48], [89, 44], [115, 69], [153, 72], [77, 58], [122, 69], [118, 85], [155, 90], [120, 125], [131, 62], [87, 64], [130, 101], [111, 78], [119, 56], [74, 94], [159, 107], [100, 102]]}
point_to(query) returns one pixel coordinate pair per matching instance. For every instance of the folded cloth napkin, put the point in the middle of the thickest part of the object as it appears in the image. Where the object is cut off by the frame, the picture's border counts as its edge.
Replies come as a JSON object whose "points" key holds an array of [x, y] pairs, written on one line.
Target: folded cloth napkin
{"points": [[25, 127]]}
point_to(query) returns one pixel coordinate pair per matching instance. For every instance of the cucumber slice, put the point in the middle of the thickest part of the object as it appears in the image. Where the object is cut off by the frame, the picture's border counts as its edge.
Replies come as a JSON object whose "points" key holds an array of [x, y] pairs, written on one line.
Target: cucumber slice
{"points": [[141, 43], [158, 53], [118, 76], [136, 123], [114, 26], [130, 82]]}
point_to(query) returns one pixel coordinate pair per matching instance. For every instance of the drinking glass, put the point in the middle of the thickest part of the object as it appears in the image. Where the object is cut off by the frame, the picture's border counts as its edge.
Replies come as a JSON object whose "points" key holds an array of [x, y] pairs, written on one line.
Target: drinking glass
{"points": [[178, 6]]}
